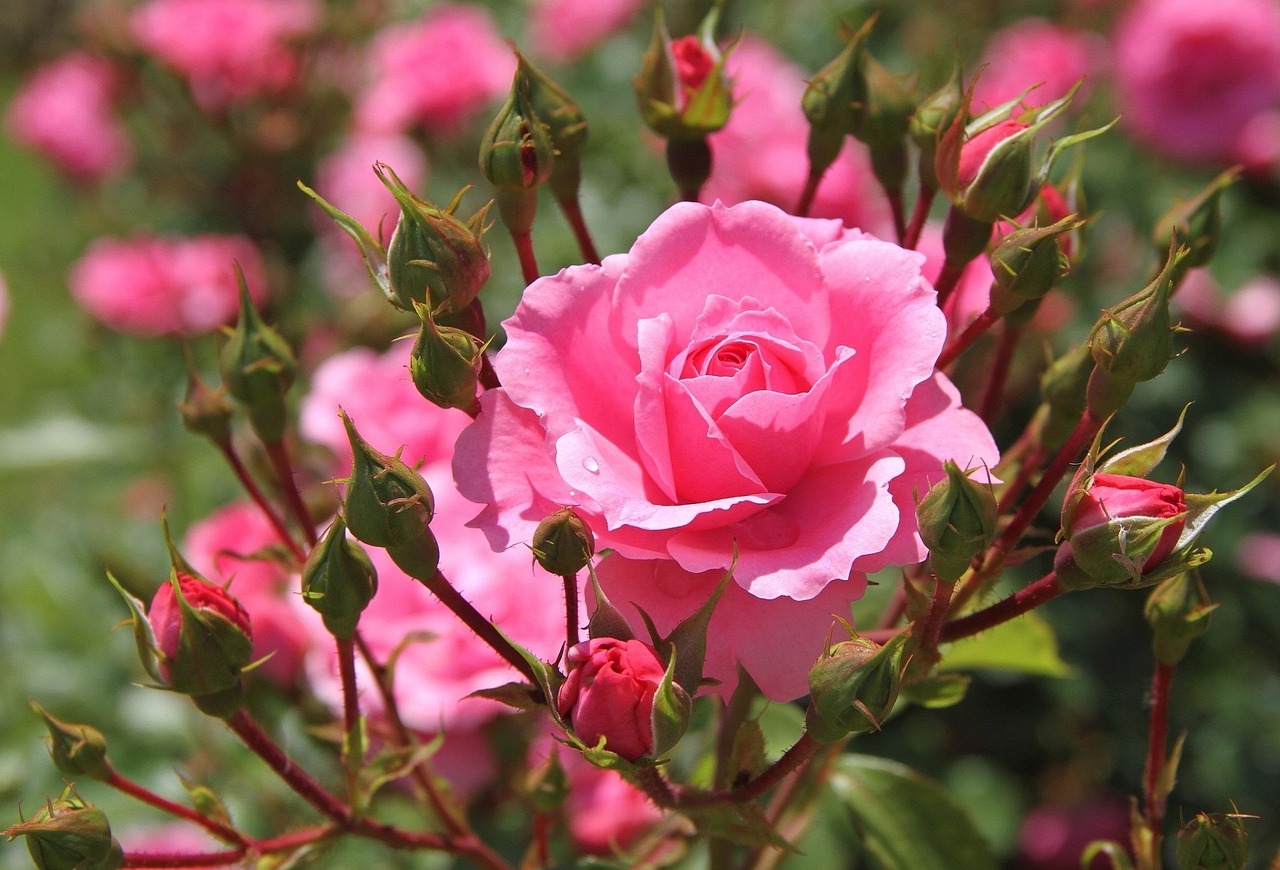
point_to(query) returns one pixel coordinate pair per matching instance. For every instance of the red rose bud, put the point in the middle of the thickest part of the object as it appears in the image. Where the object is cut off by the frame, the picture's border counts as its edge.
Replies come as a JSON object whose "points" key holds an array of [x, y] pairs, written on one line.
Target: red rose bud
{"points": [[339, 581], [562, 543], [1119, 527], [610, 693], [1178, 612], [257, 368], [1195, 224], [853, 688], [69, 834], [204, 640], [516, 152], [445, 363], [1216, 841], [433, 258], [931, 117], [681, 88], [77, 750], [387, 502], [957, 519]]}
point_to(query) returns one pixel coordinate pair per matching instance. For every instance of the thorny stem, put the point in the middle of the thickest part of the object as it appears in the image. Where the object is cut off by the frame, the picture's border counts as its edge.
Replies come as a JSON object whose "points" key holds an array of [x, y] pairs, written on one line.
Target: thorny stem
{"points": [[820, 764], [971, 333], [255, 493], [353, 744], [930, 628], [293, 775], [570, 608], [213, 826], [572, 211], [279, 457], [1157, 738], [1024, 600], [655, 785], [524, 248], [919, 215], [998, 374], [799, 753], [283, 843]]}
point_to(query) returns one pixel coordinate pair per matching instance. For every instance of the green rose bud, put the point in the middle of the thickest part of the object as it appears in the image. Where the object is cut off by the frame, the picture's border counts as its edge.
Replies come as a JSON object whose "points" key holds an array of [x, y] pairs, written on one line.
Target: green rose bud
{"points": [[1026, 264], [957, 519], [931, 117], [69, 834], [562, 543], [77, 750], [565, 125], [387, 502], [853, 688], [1195, 224], [1213, 842], [206, 411], [835, 100], [257, 368], [339, 581], [1178, 612], [445, 363]]}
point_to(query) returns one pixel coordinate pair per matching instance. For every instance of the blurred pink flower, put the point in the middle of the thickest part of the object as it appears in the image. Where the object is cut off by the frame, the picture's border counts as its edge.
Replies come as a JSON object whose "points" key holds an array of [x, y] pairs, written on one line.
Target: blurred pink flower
{"points": [[231, 545], [166, 286], [762, 152], [228, 50], [1258, 146], [438, 72], [606, 813], [1258, 556], [1191, 75], [562, 30], [1248, 316], [972, 293], [1054, 838], [1035, 52], [445, 661], [65, 112]]}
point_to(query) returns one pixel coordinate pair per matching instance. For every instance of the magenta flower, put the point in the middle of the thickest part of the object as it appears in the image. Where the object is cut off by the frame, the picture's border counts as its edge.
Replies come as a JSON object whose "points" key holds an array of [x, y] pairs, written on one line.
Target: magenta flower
{"points": [[1192, 75], [740, 382], [159, 286], [66, 112], [228, 50]]}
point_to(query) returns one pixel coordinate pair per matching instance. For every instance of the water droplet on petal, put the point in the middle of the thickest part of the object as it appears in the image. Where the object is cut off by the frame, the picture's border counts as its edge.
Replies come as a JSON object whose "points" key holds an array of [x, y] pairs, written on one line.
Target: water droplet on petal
{"points": [[591, 465]]}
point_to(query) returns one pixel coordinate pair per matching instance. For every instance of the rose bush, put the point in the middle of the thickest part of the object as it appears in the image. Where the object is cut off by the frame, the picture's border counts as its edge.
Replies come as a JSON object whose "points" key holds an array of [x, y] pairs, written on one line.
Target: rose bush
{"points": [[741, 385]]}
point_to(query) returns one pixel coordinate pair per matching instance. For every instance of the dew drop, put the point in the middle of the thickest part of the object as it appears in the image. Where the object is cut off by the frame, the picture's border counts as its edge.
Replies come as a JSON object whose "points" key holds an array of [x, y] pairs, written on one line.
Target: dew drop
{"points": [[591, 465]]}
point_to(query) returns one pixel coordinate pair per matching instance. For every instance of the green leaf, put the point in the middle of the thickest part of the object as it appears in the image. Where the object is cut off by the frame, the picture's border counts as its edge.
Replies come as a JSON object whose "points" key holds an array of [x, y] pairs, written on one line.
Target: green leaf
{"points": [[396, 763], [1140, 460], [908, 822], [521, 696], [206, 801], [690, 637], [747, 756], [1202, 506], [744, 824], [1025, 645], [606, 620]]}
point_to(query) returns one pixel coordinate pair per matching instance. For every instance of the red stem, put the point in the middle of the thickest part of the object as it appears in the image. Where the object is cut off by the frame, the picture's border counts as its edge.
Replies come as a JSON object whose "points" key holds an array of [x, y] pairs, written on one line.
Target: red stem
{"points": [[573, 214], [919, 215], [968, 336], [353, 748], [255, 493], [1154, 803], [998, 375], [807, 195], [293, 775], [897, 209], [528, 262], [799, 753], [1024, 600], [134, 790], [571, 608], [172, 859], [948, 278], [896, 607], [936, 616], [279, 456]]}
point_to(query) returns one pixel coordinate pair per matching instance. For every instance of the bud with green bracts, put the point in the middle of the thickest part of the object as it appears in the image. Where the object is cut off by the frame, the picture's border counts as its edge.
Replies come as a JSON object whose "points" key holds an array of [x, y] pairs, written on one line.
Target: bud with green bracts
{"points": [[339, 581], [957, 519], [516, 152], [834, 101], [69, 834], [562, 543], [1178, 612], [206, 411], [885, 122], [445, 363], [77, 750], [257, 368], [387, 502], [931, 117], [565, 125], [1213, 841], [681, 89], [853, 688], [1027, 263], [1195, 224]]}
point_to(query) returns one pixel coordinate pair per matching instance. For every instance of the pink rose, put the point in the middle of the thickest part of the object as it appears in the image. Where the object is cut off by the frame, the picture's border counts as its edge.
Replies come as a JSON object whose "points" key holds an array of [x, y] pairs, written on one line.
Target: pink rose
{"points": [[228, 50], [436, 672], [608, 692], [186, 670], [562, 30], [1055, 837], [1034, 52], [231, 546], [1119, 496], [65, 111], [761, 152], [1191, 75], [159, 286], [1248, 316], [741, 381], [439, 72]]}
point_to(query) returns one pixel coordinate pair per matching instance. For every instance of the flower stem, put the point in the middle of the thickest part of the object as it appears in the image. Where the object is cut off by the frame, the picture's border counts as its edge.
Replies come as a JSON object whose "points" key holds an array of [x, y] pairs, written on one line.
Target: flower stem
{"points": [[968, 336], [998, 374], [279, 456], [353, 743], [294, 776], [930, 628], [811, 182], [570, 608], [255, 493], [171, 859], [1024, 600], [1157, 738], [139, 792], [523, 240], [948, 278], [799, 753], [919, 215], [572, 211]]}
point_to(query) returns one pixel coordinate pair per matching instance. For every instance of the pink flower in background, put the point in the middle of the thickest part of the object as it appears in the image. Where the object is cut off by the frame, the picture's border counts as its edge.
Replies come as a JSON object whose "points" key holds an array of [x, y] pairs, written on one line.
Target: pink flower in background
{"points": [[228, 50], [1191, 75], [606, 813], [972, 293], [1258, 556], [562, 30], [439, 72], [166, 286], [761, 152], [1035, 52], [446, 662], [741, 380], [1055, 837], [233, 545], [65, 111], [1248, 316]]}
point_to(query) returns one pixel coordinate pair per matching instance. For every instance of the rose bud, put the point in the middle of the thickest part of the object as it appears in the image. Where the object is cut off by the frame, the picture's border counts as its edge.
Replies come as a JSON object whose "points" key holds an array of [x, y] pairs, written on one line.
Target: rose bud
{"points": [[1119, 527], [562, 543], [957, 519], [1196, 223], [433, 258], [339, 581], [1178, 612], [610, 693], [517, 156], [681, 87], [206, 411], [853, 688], [69, 834], [387, 502], [445, 363], [1026, 264], [77, 750], [1213, 841], [935, 114], [257, 368], [834, 102], [204, 640], [565, 125]]}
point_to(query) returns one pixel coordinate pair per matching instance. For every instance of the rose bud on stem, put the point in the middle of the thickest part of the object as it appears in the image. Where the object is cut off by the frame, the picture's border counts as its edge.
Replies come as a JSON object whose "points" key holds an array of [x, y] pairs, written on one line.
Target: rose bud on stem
{"points": [[833, 102], [883, 128], [684, 96], [563, 545], [1195, 224], [1213, 841], [930, 118], [69, 834], [853, 687], [445, 364]]}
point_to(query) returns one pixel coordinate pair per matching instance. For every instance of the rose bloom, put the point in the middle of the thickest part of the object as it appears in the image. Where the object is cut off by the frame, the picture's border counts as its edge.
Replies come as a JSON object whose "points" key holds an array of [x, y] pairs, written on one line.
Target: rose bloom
{"points": [[741, 387], [1034, 52], [1191, 75], [439, 72], [228, 50], [166, 286], [65, 111], [563, 30], [761, 153]]}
